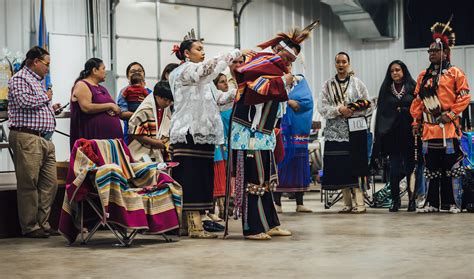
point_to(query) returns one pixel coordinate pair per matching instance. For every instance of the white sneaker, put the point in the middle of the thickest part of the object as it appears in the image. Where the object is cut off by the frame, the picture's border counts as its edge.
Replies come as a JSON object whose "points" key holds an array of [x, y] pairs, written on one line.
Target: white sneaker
{"points": [[427, 209], [454, 209], [278, 209]]}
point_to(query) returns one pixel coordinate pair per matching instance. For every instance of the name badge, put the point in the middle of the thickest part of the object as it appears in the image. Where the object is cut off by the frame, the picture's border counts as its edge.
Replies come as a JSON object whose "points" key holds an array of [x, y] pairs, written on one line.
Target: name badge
{"points": [[357, 124]]}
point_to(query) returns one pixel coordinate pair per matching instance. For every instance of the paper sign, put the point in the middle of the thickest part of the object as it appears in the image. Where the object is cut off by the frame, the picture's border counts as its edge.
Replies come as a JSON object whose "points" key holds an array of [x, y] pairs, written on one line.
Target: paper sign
{"points": [[357, 124]]}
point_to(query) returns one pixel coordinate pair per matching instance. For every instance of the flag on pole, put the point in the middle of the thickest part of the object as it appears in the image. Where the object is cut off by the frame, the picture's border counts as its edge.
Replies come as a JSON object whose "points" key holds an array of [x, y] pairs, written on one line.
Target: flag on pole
{"points": [[43, 39]]}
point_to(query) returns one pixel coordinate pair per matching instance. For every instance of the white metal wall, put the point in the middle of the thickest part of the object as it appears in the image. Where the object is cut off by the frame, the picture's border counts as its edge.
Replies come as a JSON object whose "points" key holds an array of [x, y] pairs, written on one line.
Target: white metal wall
{"points": [[147, 31], [65, 22], [262, 19], [15, 24]]}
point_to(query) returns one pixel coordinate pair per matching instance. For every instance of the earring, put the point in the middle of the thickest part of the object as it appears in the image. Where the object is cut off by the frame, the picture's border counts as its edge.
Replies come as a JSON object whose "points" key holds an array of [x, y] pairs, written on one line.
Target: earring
{"points": [[186, 59]]}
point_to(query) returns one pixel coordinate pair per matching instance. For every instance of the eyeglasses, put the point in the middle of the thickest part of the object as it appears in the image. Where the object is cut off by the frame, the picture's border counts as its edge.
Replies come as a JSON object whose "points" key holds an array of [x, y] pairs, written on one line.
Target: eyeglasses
{"points": [[433, 50], [44, 62]]}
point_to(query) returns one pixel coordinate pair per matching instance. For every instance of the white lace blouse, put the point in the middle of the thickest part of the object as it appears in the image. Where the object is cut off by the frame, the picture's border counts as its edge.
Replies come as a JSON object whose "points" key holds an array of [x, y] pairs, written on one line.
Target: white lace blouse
{"points": [[195, 109], [336, 128]]}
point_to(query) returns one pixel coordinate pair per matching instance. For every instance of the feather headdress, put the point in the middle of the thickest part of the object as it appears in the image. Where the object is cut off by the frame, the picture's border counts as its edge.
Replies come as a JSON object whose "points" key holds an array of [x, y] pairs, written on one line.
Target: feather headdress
{"points": [[296, 36], [444, 34]]}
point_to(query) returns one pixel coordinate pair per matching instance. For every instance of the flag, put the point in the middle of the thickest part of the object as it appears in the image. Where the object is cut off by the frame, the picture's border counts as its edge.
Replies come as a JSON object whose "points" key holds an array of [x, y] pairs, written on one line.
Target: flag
{"points": [[43, 39]]}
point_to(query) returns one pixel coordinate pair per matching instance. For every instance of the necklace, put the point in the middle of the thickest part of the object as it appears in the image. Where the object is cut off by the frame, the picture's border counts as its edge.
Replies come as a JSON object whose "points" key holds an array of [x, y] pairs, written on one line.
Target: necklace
{"points": [[397, 94], [343, 83], [346, 79]]}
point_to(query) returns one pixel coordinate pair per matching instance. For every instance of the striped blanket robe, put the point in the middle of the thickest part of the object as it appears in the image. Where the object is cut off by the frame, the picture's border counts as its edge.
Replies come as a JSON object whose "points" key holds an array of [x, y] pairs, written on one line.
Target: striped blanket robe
{"points": [[132, 195]]}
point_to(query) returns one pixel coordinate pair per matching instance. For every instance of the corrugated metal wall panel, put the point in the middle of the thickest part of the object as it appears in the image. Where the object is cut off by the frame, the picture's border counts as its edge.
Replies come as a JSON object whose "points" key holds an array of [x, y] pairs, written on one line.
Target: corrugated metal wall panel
{"points": [[65, 20], [14, 28], [66, 17], [262, 19]]}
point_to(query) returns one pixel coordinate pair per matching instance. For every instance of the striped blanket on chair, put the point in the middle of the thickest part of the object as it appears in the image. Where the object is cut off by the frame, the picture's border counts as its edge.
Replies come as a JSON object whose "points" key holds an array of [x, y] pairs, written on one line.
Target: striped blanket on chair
{"points": [[132, 195]]}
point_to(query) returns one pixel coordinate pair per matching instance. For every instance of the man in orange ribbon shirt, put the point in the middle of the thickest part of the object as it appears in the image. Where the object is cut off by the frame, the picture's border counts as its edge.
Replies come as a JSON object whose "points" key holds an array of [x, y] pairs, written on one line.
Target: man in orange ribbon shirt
{"points": [[442, 94]]}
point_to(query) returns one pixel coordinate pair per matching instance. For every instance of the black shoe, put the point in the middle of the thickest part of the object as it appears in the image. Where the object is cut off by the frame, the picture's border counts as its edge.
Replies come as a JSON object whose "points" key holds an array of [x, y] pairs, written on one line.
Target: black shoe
{"points": [[395, 205], [52, 232], [39, 233], [212, 226], [411, 205]]}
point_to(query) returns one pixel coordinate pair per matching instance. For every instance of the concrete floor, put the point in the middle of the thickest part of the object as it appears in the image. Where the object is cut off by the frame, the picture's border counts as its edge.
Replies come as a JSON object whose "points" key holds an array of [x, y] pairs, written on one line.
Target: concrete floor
{"points": [[324, 245]]}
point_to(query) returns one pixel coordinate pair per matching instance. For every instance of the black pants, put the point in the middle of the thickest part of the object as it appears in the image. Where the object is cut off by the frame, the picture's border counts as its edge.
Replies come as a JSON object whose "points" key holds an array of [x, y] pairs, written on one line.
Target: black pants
{"points": [[438, 161], [400, 166], [298, 196], [261, 215]]}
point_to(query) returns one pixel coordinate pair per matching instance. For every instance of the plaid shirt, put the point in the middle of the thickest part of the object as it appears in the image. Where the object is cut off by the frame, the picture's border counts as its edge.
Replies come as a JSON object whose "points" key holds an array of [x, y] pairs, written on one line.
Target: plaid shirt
{"points": [[28, 104]]}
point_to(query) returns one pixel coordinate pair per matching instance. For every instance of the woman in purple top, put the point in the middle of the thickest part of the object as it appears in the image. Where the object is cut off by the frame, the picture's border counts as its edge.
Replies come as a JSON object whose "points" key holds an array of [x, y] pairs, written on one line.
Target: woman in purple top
{"points": [[94, 114]]}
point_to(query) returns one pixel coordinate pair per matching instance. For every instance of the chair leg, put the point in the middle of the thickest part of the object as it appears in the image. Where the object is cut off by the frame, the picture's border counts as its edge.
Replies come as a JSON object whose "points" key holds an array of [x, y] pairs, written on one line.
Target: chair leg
{"points": [[330, 201], [129, 239], [91, 233], [121, 234], [122, 243], [167, 239], [82, 222]]}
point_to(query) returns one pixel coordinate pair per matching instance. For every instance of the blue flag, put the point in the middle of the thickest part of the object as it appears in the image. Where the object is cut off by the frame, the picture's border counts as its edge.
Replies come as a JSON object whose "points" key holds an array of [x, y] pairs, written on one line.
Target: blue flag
{"points": [[43, 39]]}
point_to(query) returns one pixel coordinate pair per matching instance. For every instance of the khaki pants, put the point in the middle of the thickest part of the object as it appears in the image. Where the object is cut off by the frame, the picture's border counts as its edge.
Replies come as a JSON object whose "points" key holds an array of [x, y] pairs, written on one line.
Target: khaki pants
{"points": [[347, 194], [35, 167]]}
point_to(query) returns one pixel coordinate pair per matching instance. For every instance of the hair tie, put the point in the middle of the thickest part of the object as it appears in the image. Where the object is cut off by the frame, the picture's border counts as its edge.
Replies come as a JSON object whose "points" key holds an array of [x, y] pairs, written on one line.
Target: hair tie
{"points": [[175, 48]]}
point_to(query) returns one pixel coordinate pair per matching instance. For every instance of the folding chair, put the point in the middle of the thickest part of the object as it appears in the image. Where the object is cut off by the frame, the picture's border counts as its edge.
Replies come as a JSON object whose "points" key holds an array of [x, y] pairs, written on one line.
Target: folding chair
{"points": [[123, 235], [331, 197], [121, 197], [120, 234]]}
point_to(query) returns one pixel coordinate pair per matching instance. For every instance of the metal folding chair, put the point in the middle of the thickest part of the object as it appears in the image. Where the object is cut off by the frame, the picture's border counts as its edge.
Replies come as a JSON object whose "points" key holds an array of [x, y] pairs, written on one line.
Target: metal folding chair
{"points": [[331, 197], [123, 235]]}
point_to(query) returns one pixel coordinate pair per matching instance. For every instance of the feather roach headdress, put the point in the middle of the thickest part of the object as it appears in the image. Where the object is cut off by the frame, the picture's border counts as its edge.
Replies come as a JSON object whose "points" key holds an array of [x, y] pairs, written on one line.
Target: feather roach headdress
{"points": [[296, 36], [443, 36]]}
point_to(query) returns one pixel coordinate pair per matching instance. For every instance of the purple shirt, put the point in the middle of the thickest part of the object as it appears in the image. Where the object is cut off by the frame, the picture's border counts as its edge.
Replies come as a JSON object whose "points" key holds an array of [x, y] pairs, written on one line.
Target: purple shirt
{"points": [[28, 104], [98, 125]]}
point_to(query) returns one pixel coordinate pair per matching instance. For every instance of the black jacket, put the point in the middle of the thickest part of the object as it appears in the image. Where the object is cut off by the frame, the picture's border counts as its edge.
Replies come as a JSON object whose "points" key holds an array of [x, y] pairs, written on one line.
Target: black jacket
{"points": [[393, 123]]}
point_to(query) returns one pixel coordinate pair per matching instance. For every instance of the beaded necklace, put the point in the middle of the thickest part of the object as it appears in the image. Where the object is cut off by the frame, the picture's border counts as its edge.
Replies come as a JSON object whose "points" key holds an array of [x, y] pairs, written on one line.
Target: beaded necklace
{"points": [[397, 94]]}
